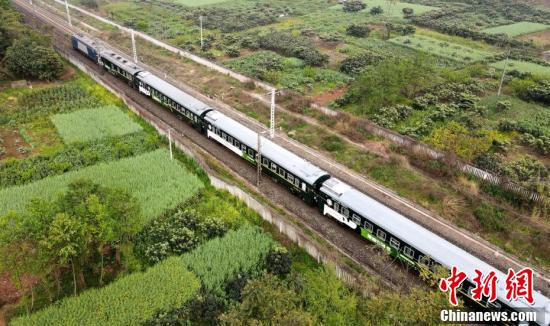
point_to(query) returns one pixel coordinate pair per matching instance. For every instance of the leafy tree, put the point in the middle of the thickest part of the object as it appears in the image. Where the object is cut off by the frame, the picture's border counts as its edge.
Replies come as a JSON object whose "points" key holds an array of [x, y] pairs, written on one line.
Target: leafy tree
{"points": [[358, 63], [358, 30], [457, 139], [390, 82], [174, 234], [354, 5], [267, 301], [30, 59], [232, 51], [72, 232], [376, 11]]}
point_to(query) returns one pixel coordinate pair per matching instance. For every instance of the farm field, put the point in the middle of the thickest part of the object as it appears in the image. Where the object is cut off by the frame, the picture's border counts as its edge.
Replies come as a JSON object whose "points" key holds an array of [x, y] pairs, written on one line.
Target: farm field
{"points": [[517, 29], [524, 67], [439, 48], [157, 182], [392, 8], [92, 124], [197, 3]]}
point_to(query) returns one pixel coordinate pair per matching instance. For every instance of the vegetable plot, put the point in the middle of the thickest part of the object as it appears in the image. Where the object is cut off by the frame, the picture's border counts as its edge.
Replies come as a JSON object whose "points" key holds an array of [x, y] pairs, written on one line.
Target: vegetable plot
{"points": [[91, 124]]}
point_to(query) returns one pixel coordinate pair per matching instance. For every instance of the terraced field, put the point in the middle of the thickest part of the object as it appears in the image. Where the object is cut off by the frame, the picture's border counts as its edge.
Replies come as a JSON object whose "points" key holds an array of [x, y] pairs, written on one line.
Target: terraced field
{"points": [[523, 66], [392, 8], [442, 49], [517, 29]]}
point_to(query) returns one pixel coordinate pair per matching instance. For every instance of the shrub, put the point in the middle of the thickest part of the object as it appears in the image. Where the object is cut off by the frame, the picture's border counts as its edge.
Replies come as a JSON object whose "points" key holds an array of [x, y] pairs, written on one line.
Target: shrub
{"points": [[232, 52], [503, 105], [540, 92], [376, 11], [354, 5], [407, 12], [279, 261], [358, 30], [289, 45], [130, 300], [357, 64]]}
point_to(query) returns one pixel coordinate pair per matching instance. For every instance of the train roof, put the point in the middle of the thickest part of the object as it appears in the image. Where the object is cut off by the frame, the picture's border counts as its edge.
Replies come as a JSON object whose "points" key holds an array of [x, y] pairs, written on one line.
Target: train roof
{"points": [[286, 159], [86, 40], [196, 106], [120, 61], [422, 239]]}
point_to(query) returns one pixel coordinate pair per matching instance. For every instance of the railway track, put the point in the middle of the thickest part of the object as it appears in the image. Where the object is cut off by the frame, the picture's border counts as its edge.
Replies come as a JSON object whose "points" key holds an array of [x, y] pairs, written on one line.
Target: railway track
{"points": [[467, 241]]}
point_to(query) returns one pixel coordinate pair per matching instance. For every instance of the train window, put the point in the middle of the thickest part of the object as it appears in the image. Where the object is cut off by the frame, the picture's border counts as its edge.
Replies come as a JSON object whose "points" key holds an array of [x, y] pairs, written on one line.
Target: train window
{"points": [[345, 212], [290, 178], [424, 260], [264, 161], [356, 219], [394, 243], [337, 207], [243, 147], [250, 152], [381, 234], [281, 172], [273, 166], [230, 139], [408, 252], [368, 226], [297, 182]]}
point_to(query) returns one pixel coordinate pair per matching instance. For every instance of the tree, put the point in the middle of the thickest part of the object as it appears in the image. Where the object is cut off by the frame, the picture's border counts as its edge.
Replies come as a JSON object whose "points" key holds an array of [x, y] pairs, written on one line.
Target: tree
{"points": [[354, 5], [377, 11], [30, 59], [358, 30], [70, 232], [267, 301], [407, 12]]}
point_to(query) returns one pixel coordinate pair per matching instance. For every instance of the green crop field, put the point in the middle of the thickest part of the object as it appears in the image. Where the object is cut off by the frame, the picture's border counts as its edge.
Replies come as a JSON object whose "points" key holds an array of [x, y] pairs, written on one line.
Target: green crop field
{"points": [[92, 124], [196, 3], [523, 66], [394, 9], [517, 29], [439, 48], [133, 299], [156, 181]]}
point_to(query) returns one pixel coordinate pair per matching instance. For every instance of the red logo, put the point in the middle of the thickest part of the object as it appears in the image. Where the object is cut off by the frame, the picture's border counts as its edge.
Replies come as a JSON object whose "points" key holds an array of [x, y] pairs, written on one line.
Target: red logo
{"points": [[520, 285], [485, 286], [452, 283]]}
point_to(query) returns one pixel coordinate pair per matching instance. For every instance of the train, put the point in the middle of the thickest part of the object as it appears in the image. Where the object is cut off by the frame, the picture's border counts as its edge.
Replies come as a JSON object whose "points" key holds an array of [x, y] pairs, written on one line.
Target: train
{"points": [[370, 219]]}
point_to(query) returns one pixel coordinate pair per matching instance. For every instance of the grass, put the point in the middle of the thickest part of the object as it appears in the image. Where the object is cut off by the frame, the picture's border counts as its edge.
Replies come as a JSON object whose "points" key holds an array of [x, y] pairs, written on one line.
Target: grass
{"points": [[156, 181], [442, 49], [92, 124], [392, 9], [517, 29], [523, 66]]}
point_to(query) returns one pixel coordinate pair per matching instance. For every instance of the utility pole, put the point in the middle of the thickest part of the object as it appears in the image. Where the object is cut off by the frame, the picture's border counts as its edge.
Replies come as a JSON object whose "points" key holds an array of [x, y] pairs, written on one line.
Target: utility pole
{"points": [[170, 143], [272, 114], [202, 40], [134, 49], [68, 14], [503, 73]]}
